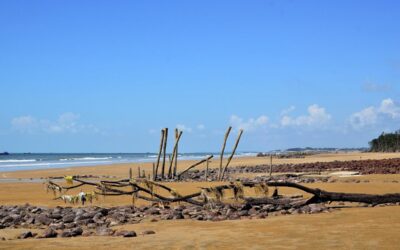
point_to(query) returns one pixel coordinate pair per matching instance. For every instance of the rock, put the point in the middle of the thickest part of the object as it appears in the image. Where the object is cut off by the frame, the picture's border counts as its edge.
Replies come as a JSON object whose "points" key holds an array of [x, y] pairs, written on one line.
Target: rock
{"points": [[127, 234], [178, 215], [69, 225], [316, 208], [66, 234], [36, 210], [7, 219], [72, 232], [234, 216], [153, 211], [69, 218], [49, 233], [30, 220], [91, 225], [56, 216], [148, 232], [104, 231], [76, 231], [25, 235], [87, 233], [43, 219], [57, 226]]}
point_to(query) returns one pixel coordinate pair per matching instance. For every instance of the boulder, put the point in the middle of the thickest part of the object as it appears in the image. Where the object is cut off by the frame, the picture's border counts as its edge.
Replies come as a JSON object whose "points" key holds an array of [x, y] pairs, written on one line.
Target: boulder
{"points": [[26, 235], [43, 219], [148, 232], [49, 233]]}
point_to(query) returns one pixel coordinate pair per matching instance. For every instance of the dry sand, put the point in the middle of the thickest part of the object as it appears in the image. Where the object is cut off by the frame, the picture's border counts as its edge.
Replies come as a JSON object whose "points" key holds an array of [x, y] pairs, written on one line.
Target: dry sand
{"points": [[348, 228]]}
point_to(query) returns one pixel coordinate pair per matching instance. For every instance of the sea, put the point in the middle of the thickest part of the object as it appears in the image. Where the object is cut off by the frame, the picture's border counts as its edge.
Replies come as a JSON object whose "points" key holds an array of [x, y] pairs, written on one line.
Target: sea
{"points": [[32, 161]]}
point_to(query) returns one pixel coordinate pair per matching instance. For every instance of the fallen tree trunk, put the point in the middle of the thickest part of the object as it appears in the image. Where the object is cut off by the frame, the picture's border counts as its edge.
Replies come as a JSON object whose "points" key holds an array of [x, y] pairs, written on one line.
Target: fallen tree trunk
{"points": [[325, 196], [146, 186]]}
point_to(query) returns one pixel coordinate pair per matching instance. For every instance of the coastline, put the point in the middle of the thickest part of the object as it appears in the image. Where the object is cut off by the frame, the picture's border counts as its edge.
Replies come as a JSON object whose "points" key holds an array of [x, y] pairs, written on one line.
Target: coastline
{"points": [[122, 169]]}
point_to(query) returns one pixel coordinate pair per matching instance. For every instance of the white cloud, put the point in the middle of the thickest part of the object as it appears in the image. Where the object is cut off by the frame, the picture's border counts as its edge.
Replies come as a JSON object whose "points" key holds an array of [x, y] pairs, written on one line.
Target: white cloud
{"points": [[24, 123], [249, 125], [365, 117], [316, 116], [184, 128], [201, 127], [66, 123], [388, 110], [288, 110]]}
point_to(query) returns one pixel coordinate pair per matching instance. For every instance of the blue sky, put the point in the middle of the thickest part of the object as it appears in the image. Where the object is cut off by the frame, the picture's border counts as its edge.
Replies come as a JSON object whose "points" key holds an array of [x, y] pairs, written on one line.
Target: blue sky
{"points": [[101, 76]]}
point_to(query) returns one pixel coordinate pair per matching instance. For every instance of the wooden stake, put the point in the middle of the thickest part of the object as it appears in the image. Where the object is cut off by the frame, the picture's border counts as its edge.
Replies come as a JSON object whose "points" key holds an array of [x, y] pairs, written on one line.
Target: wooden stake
{"points": [[159, 153], [153, 171], [206, 176], [195, 165], [138, 172], [233, 152], [130, 173], [222, 151], [174, 154], [270, 166], [164, 153]]}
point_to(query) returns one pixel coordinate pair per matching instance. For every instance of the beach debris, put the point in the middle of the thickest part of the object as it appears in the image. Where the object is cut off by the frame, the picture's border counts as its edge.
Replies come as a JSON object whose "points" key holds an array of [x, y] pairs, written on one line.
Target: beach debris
{"points": [[69, 179]]}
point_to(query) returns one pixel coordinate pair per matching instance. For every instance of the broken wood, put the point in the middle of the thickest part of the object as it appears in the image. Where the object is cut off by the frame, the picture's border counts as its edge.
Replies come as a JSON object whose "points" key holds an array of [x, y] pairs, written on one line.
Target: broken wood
{"points": [[195, 165], [146, 186]]}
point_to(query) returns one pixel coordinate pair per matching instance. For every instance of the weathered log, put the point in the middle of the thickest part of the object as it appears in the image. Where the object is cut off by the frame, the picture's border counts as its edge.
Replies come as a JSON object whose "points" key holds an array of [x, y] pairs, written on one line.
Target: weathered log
{"points": [[145, 186], [195, 165]]}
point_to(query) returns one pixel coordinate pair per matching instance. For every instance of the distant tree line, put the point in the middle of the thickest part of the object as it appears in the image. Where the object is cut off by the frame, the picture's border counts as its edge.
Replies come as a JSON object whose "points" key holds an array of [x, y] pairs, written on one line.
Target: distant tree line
{"points": [[386, 142]]}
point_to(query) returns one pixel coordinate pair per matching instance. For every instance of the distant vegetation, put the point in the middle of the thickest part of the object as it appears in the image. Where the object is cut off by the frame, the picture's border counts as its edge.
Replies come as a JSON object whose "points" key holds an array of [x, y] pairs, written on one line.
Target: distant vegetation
{"points": [[386, 142]]}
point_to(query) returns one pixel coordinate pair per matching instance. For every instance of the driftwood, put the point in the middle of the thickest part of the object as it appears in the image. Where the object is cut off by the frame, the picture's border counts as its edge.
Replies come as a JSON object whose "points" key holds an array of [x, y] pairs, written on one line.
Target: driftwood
{"points": [[159, 154], [223, 150], [177, 134], [195, 165], [164, 152], [147, 187], [173, 157], [270, 166], [232, 154]]}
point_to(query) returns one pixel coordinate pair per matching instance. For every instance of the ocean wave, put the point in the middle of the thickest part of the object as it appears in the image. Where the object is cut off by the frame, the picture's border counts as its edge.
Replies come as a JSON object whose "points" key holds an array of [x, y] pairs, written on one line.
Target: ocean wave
{"points": [[246, 154], [15, 160], [86, 159], [49, 164]]}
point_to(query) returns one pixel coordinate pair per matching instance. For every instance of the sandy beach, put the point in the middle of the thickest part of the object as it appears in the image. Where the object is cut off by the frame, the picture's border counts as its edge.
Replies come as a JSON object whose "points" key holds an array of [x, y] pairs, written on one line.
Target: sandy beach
{"points": [[356, 227]]}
